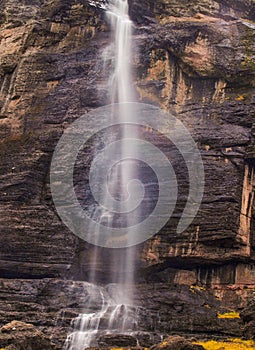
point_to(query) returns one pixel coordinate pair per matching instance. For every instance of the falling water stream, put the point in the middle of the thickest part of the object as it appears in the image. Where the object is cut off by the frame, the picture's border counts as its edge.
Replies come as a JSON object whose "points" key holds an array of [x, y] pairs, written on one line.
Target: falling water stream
{"points": [[117, 313]]}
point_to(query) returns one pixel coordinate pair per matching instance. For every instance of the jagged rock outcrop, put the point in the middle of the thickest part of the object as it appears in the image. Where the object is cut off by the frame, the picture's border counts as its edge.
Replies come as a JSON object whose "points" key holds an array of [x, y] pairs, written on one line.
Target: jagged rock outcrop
{"points": [[195, 59]]}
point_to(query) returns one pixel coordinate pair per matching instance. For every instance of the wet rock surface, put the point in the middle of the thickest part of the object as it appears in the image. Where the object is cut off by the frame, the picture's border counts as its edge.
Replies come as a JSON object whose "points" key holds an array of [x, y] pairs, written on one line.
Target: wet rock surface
{"points": [[118, 340], [194, 59]]}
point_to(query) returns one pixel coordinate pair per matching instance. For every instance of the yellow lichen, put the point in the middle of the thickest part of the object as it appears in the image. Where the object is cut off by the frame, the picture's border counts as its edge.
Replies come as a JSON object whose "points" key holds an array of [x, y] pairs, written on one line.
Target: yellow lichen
{"points": [[247, 20], [240, 98], [230, 344], [164, 343], [197, 288], [231, 314]]}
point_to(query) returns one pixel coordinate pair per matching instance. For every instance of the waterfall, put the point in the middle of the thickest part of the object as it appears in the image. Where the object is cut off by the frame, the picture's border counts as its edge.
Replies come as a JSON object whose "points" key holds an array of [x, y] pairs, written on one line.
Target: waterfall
{"points": [[117, 313], [121, 26], [121, 92]]}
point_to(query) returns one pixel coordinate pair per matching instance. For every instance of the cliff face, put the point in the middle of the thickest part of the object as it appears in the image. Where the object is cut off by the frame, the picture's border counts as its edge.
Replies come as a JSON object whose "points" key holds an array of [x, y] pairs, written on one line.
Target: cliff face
{"points": [[200, 65], [48, 63], [195, 59]]}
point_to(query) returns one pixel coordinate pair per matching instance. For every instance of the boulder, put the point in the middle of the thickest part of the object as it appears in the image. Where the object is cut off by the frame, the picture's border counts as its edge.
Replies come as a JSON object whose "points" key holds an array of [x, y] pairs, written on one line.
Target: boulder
{"points": [[176, 343], [23, 336]]}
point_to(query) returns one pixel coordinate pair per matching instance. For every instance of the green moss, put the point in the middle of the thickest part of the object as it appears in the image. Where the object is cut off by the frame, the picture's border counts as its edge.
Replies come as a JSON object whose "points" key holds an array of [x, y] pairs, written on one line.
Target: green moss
{"points": [[248, 43], [248, 63]]}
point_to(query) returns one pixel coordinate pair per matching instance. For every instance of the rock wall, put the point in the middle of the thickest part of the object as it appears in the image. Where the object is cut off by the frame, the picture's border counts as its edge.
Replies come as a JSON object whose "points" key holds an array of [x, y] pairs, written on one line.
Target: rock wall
{"points": [[200, 66], [194, 59]]}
